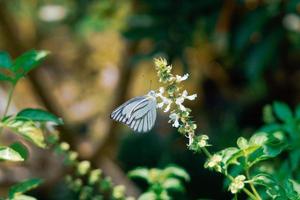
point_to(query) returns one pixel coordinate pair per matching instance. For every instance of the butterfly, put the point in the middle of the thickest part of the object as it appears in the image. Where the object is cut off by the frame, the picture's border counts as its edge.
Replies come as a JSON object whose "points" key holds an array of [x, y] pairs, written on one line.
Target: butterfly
{"points": [[138, 113]]}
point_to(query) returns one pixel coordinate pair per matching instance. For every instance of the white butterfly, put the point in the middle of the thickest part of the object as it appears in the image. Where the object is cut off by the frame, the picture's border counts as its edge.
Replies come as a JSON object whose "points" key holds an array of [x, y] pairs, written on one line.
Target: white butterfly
{"points": [[138, 113]]}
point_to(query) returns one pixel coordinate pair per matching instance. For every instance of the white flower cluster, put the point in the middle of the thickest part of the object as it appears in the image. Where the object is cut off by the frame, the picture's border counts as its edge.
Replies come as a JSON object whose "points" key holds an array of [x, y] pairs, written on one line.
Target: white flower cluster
{"points": [[237, 184], [214, 162], [166, 102]]}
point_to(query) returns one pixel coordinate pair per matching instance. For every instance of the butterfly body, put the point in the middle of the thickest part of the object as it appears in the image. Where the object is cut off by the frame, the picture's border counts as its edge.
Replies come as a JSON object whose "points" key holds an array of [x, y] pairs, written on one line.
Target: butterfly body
{"points": [[138, 113]]}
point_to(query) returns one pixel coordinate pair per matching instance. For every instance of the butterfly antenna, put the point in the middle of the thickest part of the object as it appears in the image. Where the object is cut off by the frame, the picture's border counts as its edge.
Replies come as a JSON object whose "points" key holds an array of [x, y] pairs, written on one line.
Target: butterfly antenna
{"points": [[150, 85]]}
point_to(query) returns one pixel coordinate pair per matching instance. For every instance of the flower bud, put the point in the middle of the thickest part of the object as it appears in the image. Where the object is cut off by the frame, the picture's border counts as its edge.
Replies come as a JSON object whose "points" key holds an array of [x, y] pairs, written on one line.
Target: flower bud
{"points": [[83, 167]]}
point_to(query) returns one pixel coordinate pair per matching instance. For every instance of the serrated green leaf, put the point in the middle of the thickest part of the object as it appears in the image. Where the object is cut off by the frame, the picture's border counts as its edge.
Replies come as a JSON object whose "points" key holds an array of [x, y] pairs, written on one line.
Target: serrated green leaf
{"points": [[7, 153], [23, 187], [21, 149], [28, 61], [39, 115], [177, 172], [142, 173], [5, 60], [283, 111]]}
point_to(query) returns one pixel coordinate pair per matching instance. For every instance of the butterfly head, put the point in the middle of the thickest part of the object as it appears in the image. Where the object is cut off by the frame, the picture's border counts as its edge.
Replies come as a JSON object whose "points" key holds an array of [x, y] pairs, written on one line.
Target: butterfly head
{"points": [[151, 93]]}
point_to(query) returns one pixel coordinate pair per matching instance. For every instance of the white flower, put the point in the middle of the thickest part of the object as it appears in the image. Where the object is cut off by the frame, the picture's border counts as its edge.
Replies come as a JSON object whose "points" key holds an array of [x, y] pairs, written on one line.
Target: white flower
{"points": [[179, 101], [181, 78], [164, 100], [214, 162], [237, 184], [189, 97], [175, 119], [203, 141]]}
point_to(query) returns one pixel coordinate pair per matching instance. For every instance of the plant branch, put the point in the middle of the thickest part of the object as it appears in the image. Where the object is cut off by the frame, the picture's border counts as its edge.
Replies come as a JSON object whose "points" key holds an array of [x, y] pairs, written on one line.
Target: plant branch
{"points": [[11, 92], [252, 186], [206, 152]]}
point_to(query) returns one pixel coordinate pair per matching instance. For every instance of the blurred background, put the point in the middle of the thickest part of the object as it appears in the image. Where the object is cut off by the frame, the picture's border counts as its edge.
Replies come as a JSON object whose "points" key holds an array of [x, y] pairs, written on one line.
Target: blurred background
{"points": [[240, 54]]}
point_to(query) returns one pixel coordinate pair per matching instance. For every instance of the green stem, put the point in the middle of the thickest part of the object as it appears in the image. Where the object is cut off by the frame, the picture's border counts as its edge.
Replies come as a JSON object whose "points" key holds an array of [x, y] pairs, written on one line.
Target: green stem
{"points": [[206, 152], [249, 178], [252, 186], [235, 197], [11, 92], [252, 196]]}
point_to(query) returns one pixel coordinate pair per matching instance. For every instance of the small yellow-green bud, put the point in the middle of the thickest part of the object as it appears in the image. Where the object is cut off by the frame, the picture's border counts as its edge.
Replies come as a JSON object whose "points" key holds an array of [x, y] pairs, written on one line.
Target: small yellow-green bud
{"points": [[160, 62], [95, 176], [83, 167], [119, 191], [73, 155], [64, 146]]}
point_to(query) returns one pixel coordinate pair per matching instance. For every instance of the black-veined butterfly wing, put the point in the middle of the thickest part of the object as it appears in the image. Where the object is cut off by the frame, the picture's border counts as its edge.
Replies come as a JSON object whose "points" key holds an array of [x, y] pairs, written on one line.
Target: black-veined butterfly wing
{"points": [[138, 113]]}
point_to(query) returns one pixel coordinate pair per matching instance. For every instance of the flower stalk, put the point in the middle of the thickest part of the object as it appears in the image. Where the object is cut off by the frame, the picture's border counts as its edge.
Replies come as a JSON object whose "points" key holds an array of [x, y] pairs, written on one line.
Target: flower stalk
{"points": [[171, 98]]}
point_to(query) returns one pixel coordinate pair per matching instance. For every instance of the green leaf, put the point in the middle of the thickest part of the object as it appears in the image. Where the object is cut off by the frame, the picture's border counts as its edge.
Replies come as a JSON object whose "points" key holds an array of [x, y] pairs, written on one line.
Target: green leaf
{"points": [[23, 197], [297, 112], [28, 61], [35, 136], [273, 188], [227, 154], [148, 196], [268, 116], [4, 77], [5, 61], [259, 138], [39, 115], [21, 149], [295, 185], [8, 153], [271, 144], [282, 111], [23, 187], [242, 153], [27, 129], [142, 173], [177, 172], [173, 184]]}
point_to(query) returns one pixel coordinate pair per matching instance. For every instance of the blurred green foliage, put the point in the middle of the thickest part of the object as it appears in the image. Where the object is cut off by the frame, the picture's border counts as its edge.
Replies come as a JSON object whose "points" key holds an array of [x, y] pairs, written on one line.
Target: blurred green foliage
{"points": [[161, 182]]}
